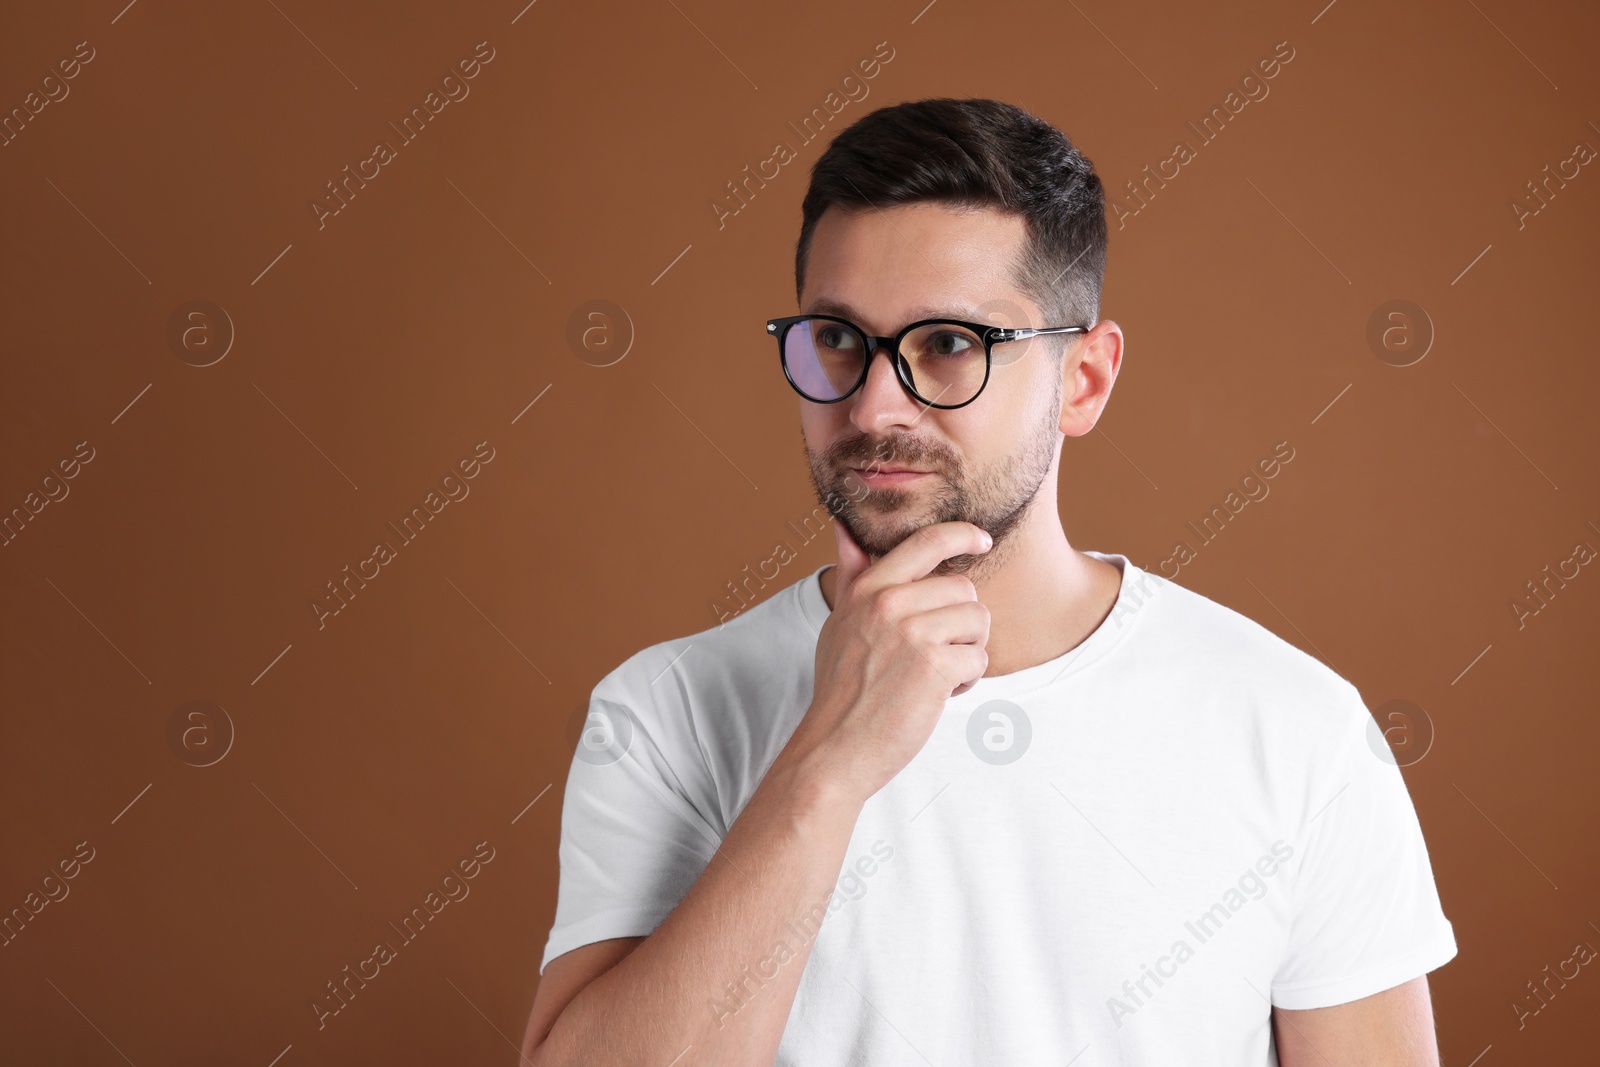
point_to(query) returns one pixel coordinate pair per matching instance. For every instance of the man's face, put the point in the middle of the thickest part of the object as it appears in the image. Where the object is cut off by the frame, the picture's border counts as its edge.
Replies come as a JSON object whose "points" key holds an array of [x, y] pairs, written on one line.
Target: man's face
{"points": [[985, 461]]}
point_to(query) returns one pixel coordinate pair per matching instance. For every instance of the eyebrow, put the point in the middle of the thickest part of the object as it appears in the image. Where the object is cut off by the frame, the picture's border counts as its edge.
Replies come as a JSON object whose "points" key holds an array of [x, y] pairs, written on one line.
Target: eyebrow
{"points": [[828, 306]]}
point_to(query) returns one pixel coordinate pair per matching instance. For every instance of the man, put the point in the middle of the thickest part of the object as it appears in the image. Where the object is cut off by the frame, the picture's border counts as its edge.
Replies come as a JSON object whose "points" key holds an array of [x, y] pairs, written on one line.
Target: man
{"points": [[972, 796]]}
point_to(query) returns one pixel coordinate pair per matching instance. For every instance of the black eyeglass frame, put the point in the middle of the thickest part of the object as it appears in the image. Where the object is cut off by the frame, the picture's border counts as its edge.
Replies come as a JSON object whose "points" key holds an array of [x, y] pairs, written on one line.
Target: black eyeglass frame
{"points": [[989, 335]]}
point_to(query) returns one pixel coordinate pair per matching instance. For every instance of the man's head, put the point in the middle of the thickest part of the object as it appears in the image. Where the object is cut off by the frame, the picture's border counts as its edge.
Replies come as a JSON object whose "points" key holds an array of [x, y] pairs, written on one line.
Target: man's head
{"points": [[963, 209]]}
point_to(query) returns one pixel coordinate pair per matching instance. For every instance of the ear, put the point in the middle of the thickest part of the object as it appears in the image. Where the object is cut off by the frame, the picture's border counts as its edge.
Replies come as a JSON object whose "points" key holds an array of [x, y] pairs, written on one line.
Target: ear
{"points": [[1088, 371]]}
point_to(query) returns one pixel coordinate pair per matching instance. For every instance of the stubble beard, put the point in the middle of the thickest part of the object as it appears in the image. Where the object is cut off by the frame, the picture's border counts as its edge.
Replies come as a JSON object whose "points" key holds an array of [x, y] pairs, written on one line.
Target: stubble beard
{"points": [[879, 518]]}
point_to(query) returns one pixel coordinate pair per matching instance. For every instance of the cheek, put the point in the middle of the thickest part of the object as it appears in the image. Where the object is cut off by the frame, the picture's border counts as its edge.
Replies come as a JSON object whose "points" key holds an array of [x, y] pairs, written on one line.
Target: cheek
{"points": [[821, 425]]}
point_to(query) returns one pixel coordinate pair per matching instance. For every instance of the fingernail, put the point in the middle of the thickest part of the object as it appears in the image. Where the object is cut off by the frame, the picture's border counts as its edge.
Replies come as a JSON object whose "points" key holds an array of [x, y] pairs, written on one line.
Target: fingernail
{"points": [[988, 542]]}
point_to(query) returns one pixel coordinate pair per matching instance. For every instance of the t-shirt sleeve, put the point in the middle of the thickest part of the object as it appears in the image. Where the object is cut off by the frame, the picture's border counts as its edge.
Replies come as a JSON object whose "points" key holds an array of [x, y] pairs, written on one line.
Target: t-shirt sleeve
{"points": [[638, 822], [1366, 911]]}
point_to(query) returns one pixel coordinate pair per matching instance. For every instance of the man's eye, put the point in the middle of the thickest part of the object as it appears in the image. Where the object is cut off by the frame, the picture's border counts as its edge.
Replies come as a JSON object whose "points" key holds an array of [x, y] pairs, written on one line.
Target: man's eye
{"points": [[948, 343]]}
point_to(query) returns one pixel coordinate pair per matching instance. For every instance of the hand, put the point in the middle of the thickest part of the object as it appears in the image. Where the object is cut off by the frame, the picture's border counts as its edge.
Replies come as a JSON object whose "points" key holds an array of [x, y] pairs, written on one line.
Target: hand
{"points": [[897, 645]]}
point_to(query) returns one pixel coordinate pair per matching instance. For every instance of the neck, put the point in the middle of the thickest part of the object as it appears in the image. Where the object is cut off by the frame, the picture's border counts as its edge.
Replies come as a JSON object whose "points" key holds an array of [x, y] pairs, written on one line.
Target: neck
{"points": [[1044, 597]]}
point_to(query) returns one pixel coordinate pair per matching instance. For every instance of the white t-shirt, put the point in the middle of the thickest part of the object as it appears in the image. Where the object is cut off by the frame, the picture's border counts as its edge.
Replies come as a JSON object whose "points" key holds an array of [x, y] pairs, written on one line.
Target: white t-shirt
{"points": [[1124, 855]]}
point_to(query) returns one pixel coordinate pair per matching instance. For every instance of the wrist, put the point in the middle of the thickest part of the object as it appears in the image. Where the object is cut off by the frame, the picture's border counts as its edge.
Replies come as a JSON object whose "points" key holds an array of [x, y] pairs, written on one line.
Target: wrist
{"points": [[812, 784]]}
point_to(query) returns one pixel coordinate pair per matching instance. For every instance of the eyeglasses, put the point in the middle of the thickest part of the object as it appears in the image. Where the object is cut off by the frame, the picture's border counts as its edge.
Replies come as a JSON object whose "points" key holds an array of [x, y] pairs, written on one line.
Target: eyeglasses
{"points": [[826, 358]]}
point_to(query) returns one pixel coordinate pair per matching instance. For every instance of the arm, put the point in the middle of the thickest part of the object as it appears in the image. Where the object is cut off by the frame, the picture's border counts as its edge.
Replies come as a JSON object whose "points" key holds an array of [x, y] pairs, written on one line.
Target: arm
{"points": [[698, 990], [780, 860], [1393, 1028]]}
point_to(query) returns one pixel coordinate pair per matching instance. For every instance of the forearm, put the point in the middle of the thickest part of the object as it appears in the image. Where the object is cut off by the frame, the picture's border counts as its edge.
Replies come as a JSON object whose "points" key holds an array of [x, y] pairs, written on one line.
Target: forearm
{"points": [[694, 983]]}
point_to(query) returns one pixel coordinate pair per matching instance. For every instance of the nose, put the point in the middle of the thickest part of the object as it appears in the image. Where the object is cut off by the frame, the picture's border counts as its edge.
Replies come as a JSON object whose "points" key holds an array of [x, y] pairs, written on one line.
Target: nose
{"points": [[883, 400]]}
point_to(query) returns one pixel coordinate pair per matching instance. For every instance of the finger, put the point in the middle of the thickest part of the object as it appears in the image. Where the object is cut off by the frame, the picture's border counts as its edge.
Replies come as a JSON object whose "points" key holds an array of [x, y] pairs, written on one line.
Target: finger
{"points": [[926, 548], [952, 624], [964, 661]]}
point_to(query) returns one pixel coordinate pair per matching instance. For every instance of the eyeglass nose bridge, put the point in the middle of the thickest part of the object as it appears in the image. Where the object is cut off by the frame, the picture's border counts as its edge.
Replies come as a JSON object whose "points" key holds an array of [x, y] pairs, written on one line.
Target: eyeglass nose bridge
{"points": [[902, 369]]}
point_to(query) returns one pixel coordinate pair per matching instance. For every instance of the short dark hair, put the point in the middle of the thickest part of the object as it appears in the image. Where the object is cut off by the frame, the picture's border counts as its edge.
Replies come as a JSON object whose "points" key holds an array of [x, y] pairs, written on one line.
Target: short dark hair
{"points": [[976, 153]]}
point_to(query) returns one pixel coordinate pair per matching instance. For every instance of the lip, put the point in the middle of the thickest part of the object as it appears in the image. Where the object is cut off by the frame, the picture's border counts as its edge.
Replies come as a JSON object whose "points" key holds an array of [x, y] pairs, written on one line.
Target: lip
{"points": [[889, 476]]}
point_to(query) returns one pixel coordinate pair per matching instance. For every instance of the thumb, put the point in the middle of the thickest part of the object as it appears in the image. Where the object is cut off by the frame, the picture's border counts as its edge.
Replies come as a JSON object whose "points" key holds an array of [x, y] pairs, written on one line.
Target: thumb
{"points": [[853, 559]]}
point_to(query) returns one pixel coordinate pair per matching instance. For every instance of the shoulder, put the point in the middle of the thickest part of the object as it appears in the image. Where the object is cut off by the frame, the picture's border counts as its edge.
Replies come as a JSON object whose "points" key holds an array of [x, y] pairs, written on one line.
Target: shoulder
{"points": [[732, 652], [1208, 644]]}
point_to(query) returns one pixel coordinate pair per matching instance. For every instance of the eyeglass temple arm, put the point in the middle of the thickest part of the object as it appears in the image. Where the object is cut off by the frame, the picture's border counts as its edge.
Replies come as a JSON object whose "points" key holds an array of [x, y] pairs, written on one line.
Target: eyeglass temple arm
{"points": [[1024, 333]]}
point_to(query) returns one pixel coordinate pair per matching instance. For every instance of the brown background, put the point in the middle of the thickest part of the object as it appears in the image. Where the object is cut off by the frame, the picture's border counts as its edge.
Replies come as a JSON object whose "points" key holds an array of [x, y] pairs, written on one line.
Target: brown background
{"points": [[370, 355]]}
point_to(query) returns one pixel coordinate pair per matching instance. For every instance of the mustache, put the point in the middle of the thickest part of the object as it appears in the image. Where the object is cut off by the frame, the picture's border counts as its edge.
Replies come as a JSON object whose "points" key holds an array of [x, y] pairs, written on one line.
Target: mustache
{"points": [[860, 452]]}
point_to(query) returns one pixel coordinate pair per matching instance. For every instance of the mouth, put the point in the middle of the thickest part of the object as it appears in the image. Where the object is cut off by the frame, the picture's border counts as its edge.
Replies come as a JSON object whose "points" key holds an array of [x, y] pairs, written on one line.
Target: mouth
{"points": [[889, 475]]}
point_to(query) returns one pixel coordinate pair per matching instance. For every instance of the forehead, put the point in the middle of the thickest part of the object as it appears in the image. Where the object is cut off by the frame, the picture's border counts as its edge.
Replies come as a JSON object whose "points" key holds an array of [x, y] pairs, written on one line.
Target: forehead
{"points": [[883, 268]]}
